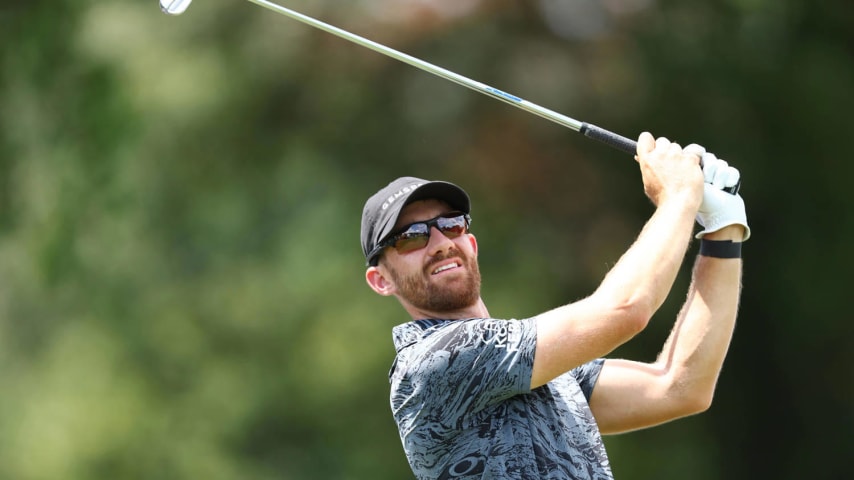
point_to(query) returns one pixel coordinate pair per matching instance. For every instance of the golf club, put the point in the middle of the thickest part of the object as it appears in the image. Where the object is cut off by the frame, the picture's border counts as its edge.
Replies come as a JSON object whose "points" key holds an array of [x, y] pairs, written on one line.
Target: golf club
{"points": [[177, 7]]}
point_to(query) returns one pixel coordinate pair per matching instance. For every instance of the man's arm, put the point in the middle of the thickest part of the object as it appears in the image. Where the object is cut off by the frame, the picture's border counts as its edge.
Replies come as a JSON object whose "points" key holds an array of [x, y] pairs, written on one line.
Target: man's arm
{"points": [[633, 395], [637, 285]]}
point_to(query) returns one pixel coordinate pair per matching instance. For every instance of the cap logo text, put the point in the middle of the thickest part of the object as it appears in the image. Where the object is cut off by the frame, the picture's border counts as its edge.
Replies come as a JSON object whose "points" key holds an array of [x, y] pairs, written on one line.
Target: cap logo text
{"points": [[403, 191]]}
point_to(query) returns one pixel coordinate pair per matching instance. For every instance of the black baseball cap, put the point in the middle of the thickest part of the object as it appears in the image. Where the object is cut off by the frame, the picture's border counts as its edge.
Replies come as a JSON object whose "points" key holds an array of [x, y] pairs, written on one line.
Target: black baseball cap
{"points": [[381, 210]]}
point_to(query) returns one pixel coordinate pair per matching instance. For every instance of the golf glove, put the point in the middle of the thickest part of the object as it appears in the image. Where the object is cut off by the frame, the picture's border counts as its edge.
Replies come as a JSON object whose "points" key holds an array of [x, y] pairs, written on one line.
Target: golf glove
{"points": [[719, 208]]}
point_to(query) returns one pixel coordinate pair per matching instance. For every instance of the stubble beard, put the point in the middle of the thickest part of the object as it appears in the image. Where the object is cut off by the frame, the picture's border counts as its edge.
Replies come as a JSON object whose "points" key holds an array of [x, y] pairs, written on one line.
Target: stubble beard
{"points": [[420, 292]]}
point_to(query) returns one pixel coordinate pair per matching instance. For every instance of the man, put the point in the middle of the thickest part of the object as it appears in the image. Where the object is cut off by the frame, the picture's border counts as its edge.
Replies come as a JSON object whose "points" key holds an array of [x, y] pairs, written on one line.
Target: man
{"points": [[477, 397]]}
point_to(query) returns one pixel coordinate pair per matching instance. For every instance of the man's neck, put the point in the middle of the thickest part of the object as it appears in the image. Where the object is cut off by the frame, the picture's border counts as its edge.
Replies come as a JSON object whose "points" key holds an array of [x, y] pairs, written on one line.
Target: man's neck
{"points": [[477, 310]]}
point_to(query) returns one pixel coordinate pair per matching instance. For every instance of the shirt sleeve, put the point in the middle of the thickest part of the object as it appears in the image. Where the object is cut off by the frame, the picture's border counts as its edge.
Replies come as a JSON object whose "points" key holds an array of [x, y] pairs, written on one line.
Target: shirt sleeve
{"points": [[469, 365], [587, 374]]}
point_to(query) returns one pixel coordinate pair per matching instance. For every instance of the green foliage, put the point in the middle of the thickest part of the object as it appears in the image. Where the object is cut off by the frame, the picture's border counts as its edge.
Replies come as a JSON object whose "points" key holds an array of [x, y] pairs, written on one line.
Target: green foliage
{"points": [[182, 292]]}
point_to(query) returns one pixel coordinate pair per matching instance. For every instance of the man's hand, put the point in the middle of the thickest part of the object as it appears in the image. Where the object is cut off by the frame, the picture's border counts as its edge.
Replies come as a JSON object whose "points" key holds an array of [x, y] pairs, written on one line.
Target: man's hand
{"points": [[669, 172], [719, 208]]}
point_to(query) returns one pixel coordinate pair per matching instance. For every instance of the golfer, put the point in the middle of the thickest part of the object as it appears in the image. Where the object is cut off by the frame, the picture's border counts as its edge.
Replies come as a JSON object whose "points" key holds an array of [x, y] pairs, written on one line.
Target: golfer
{"points": [[478, 397]]}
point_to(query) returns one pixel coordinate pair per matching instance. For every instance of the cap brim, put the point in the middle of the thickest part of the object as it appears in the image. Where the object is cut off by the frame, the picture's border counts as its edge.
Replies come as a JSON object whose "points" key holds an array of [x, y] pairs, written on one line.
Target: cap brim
{"points": [[444, 191]]}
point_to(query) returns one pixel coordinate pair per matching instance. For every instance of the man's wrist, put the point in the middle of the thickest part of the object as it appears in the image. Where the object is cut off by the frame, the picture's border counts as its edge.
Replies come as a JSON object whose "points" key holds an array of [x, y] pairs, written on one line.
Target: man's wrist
{"points": [[731, 232], [720, 248]]}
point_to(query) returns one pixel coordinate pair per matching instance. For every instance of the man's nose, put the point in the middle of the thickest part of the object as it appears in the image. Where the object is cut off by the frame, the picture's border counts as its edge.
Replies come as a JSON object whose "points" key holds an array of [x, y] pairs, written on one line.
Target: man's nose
{"points": [[438, 241]]}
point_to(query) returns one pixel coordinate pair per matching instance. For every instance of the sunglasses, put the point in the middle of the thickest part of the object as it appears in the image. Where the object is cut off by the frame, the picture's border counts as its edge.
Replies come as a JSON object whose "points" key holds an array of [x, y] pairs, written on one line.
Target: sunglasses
{"points": [[416, 235]]}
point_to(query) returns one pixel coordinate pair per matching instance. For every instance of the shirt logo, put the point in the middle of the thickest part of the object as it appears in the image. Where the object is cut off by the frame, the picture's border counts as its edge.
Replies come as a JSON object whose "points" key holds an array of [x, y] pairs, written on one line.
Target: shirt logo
{"points": [[501, 335], [467, 467]]}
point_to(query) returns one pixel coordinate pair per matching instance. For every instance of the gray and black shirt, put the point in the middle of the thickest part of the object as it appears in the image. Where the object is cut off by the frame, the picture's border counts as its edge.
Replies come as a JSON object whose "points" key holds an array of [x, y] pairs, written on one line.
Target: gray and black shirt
{"points": [[461, 397]]}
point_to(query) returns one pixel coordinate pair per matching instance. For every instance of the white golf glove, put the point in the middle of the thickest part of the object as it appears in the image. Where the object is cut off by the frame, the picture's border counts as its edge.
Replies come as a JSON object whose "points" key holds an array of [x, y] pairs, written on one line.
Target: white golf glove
{"points": [[719, 208]]}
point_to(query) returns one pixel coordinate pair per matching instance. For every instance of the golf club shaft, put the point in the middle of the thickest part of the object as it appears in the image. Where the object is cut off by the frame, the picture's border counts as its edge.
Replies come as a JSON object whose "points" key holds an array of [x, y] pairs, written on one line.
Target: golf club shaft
{"points": [[591, 131], [588, 130]]}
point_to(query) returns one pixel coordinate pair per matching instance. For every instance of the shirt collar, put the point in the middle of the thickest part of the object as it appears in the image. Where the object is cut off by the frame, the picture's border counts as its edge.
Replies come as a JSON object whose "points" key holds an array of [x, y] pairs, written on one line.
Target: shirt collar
{"points": [[408, 333]]}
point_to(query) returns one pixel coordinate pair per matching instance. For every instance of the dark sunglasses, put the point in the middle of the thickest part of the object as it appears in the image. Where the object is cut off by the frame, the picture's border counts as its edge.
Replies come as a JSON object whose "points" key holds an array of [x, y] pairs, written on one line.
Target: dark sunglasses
{"points": [[416, 235]]}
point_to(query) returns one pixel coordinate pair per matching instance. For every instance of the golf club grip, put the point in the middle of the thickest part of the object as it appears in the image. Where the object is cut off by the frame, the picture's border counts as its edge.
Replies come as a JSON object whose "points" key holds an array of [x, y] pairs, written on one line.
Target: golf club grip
{"points": [[606, 136], [627, 145]]}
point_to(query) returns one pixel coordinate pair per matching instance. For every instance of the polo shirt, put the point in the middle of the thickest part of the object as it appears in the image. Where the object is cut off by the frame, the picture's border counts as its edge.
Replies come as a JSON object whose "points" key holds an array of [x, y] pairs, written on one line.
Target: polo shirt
{"points": [[461, 398]]}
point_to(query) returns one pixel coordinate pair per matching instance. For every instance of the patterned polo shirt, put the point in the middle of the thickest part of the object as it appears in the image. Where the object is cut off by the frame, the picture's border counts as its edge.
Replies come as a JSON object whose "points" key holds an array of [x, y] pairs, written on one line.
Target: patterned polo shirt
{"points": [[461, 397]]}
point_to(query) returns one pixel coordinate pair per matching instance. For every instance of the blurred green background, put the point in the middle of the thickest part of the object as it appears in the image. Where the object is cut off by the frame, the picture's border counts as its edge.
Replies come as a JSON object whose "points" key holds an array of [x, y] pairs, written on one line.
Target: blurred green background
{"points": [[181, 282]]}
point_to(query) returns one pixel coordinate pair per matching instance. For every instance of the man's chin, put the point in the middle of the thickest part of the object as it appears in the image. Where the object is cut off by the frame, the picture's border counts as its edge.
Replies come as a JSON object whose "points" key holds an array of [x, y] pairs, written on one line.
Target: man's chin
{"points": [[450, 301]]}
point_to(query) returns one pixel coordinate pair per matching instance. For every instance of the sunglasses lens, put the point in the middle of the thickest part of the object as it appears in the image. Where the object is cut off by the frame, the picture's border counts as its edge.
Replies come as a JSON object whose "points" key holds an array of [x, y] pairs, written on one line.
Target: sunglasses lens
{"points": [[412, 239], [452, 227]]}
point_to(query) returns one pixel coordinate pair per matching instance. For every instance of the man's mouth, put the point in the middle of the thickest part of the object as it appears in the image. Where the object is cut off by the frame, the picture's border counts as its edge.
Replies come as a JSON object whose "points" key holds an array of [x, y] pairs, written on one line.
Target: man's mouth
{"points": [[446, 267]]}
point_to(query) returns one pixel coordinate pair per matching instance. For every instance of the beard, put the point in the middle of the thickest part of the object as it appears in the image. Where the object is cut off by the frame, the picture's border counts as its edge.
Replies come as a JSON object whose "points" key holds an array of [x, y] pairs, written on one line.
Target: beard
{"points": [[417, 289]]}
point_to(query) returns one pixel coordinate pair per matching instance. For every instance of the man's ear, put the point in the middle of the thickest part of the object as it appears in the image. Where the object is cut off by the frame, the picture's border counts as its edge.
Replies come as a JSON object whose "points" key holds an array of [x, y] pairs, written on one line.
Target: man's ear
{"points": [[473, 242], [378, 282]]}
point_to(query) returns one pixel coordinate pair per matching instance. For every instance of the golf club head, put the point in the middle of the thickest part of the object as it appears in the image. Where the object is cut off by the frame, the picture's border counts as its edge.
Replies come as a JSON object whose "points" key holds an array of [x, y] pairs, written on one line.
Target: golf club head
{"points": [[174, 7]]}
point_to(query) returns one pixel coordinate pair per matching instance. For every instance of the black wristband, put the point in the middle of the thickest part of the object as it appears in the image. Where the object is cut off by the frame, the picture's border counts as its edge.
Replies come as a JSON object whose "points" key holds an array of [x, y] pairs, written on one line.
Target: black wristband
{"points": [[720, 248]]}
